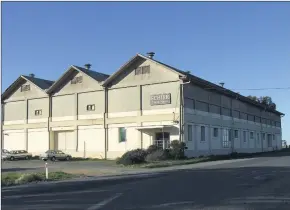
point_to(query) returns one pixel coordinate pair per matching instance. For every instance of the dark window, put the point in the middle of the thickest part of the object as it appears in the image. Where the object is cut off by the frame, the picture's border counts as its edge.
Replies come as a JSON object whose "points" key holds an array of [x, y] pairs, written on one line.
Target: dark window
{"points": [[25, 88], [226, 112], [263, 136], [202, 133], [189, 138], [273, 123], [268, 122], [162, 140], [215, 132], [251, 135], [142, 70], [76, 80], [278, 124], [264, 121], [245, 136], [122, 134], [251, 118], [214, 109], [243, 116], [91, 107], [38, 112], [269, 138], [236, 114], [189, 103], [138, 71], [236, 134], [202, 106], [257, 119]]}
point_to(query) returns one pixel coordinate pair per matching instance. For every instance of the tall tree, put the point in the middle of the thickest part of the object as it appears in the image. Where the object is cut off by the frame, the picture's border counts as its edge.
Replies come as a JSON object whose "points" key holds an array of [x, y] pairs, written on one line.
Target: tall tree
{"points": [[255, 98], [265, 100]]}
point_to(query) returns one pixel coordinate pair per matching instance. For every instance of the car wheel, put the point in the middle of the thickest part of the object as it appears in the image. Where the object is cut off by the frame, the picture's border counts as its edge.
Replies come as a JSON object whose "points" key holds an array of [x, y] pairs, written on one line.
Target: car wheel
{"points": [[67, 158], [12, 158], [53, 159]]}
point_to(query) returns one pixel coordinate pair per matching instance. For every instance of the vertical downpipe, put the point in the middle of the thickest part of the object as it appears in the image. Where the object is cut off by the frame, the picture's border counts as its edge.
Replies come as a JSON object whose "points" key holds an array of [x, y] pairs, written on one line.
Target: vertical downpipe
{"points": [[2, 123], [48, 122], [232, 132], [105, 120], [180, 112], [76, 118], [261, 133], [26, 129]]}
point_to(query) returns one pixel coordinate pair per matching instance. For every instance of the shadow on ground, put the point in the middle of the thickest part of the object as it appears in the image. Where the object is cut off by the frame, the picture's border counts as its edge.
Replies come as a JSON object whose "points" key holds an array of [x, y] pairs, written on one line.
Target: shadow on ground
{"points": [[17, 169]]}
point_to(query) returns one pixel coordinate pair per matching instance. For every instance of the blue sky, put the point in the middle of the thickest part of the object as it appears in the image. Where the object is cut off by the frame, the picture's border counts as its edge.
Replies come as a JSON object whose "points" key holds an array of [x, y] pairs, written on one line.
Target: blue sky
{"points": [[244, 44]]}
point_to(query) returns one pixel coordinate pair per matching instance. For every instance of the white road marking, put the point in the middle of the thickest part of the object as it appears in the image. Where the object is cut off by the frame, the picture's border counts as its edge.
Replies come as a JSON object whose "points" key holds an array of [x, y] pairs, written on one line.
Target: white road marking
{"points": [[48, 200], [104, 202], [172, 204], [51, 194]]}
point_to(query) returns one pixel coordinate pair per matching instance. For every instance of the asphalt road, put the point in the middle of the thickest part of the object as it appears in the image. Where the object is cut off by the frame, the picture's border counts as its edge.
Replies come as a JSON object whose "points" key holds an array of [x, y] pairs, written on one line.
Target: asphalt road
{"points": [[261, 183]]}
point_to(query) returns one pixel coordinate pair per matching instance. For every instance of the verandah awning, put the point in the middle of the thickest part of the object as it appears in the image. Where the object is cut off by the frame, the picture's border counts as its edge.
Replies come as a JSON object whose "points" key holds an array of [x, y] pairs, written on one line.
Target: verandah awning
{"points": [[153, 127]]}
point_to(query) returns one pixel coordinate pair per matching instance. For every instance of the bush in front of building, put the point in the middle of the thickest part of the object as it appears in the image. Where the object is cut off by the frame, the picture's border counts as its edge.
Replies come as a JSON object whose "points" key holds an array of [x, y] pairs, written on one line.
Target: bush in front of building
{"points": [[158, 155], [136, 156], [152, 148], [177, 149]]}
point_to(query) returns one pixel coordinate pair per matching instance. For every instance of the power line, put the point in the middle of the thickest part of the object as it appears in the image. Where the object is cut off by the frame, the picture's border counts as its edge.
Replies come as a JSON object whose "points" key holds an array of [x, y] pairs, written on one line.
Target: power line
{"points": [[276, 88]]}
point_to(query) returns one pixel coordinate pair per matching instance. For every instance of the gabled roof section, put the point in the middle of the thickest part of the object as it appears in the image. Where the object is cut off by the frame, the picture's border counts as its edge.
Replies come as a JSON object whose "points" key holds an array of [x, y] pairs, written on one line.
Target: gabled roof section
{"points": [[184, 75], [97, 76], [41, 84], [132, 60]]}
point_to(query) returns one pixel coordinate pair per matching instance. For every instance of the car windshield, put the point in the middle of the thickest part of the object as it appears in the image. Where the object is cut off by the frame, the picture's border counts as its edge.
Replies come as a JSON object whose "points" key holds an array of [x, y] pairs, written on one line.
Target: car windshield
{"points": [[60, 152]]}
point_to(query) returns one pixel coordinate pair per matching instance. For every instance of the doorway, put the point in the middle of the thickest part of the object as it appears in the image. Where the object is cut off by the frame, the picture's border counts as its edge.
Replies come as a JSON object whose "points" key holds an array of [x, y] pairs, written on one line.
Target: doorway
{"points": [[162, 140]]}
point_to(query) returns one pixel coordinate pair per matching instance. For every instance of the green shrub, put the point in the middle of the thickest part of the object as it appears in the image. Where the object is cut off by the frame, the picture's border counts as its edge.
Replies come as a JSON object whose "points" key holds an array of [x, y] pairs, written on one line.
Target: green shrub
{"points": [[136, 156], [177, 149], [8, 179], [152, 148], [234, 155], [157, 155], [27, 178]]}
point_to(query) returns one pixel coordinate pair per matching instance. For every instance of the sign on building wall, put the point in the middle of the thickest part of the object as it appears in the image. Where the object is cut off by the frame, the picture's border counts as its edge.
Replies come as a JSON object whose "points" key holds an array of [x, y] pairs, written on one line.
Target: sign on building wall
{"points": [[160, 99]]}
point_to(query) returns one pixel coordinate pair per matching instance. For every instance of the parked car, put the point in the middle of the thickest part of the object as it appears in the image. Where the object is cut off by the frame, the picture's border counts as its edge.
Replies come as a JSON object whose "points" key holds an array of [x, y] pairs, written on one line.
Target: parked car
{"points": [[54, 155], [16, 155], [4, 154]]}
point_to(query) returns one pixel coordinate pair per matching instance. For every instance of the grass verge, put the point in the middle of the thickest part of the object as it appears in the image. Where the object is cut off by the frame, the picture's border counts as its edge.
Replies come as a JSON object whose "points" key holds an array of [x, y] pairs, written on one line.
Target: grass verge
{"points": [[9, 179], [168, 163]]}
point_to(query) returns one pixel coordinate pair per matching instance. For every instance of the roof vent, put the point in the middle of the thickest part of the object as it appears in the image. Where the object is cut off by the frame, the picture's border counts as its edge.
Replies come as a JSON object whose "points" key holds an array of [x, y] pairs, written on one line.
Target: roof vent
{"points": [[222, 84], [151, 54], [32, 75], [88, 66]]}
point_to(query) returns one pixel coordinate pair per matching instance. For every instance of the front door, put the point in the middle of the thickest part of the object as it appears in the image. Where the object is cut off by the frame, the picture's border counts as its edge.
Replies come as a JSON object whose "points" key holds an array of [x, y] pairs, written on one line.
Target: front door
{"points": [[162, 139]]}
